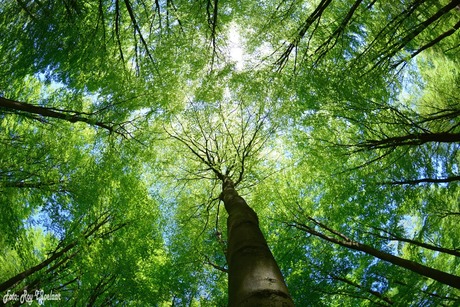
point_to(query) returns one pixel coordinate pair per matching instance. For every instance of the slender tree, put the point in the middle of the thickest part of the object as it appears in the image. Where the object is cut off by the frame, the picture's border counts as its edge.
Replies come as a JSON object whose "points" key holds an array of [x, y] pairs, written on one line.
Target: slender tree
{"points": [[254, 278]]}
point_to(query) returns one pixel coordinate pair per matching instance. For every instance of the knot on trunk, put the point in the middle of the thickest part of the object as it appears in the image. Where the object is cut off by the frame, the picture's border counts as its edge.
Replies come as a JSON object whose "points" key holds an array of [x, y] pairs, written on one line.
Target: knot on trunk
{"points": [[227, 185]]}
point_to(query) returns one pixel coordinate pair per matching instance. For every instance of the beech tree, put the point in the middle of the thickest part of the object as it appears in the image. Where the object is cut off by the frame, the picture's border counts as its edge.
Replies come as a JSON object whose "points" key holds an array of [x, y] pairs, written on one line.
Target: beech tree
{"points": [[159, 153], [226, 144]]}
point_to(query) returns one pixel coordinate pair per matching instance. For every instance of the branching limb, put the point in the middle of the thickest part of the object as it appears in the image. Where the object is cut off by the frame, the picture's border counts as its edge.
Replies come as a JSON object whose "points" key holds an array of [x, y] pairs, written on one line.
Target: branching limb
{"points": [[438, 275], [138, 30], [429, 44], [195, 148], [399, 44], [117, 30], [218, 267], [324, 48], [301, 31], [42, 114], [212, 11]]}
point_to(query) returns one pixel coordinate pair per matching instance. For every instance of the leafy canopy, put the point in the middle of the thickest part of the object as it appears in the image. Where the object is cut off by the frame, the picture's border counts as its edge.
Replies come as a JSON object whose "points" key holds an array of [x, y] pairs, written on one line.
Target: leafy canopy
{"points": [[115, 116]]}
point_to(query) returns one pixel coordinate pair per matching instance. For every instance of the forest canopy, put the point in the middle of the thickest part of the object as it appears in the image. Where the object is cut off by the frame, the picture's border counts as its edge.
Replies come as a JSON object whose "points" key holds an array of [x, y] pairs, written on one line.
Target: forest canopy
{"points": [[131, 130]]}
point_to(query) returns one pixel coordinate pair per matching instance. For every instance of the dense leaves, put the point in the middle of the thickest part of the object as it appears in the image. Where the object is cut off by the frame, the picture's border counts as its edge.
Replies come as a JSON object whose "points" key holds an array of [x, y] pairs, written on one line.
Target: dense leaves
{"points": [[338, 122]]}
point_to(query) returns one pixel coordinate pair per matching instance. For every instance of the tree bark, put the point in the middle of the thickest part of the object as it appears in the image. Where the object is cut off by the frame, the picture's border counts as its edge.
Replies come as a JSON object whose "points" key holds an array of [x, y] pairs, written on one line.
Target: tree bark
{"points": [[254, 278], [440, 276]]}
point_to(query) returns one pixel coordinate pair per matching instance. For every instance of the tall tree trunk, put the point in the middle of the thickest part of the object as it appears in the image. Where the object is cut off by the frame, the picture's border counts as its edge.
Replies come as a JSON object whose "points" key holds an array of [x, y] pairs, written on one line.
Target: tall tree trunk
{"points": [[254, 278]]}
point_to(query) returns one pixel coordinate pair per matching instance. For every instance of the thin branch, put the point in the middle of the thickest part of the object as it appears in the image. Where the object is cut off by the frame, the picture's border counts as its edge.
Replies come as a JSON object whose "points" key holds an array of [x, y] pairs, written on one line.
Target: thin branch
{"points": [[393, 237], [367, 290], [212, 21], [430, 44], [411, 140], [117, 29], [391, 50], [138, 30], [218, 267], [194, 149], [301, 31], [324, 47]]}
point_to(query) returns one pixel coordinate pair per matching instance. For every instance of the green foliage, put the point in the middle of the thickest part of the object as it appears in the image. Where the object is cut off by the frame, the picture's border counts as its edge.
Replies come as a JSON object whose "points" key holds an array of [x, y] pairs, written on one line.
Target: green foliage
{"points": [[342, 111]]}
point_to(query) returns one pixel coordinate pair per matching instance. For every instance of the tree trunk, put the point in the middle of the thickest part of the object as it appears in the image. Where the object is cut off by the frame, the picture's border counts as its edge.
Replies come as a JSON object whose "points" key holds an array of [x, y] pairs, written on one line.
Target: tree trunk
{"points": [[254, 278]]}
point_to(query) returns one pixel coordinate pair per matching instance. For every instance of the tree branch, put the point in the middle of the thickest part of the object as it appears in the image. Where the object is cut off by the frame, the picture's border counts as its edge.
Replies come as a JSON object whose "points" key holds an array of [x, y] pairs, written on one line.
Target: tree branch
{"points": [[425, 180], [440, 276]]}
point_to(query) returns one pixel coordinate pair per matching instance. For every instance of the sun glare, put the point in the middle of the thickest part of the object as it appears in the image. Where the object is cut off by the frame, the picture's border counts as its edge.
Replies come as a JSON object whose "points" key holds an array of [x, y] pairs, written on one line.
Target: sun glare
{"points": [[235, 48]]}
